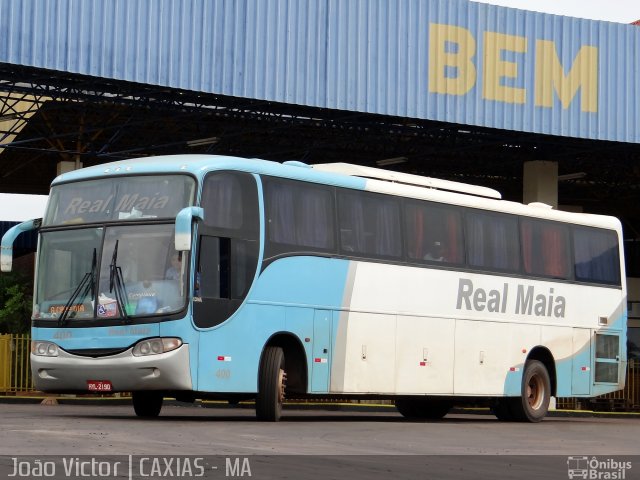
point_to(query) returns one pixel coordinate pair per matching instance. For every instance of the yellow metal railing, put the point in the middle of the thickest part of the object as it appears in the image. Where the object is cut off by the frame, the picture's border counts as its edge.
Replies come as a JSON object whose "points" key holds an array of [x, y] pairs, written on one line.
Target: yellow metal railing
{"points": [[15, 371], [5, 362]]}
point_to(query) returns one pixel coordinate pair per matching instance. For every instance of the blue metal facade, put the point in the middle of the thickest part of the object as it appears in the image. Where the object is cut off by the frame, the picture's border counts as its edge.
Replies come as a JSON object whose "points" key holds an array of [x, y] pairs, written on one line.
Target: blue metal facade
{"points": [[447, 60]]}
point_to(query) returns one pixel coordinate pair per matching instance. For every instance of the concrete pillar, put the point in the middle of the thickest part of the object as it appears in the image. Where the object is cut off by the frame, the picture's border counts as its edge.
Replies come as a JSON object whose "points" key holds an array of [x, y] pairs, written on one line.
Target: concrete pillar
{"points": [[65, 166], [540, 182]]}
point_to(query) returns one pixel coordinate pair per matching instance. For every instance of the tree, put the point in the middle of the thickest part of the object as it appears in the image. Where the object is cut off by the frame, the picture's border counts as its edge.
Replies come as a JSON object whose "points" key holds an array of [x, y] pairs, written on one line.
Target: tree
{"points": [[15, 303]]}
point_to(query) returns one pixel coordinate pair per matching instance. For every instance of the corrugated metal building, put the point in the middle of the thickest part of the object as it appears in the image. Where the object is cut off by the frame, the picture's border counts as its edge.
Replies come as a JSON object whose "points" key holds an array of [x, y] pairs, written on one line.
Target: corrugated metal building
{"points": [[446, 60]]}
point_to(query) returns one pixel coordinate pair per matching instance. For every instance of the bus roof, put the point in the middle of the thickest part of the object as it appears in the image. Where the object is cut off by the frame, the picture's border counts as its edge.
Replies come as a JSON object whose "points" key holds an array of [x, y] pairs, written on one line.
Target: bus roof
{"points": [[341, 175], [407, 179]]}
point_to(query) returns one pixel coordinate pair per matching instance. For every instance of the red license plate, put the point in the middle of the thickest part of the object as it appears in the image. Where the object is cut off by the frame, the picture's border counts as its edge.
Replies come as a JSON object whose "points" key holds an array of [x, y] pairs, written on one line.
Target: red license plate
{"points": [[99, 385]]}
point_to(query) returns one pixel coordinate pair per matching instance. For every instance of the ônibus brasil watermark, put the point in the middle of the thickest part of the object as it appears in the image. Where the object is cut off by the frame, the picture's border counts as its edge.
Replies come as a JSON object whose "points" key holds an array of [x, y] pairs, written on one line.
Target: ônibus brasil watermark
{"points": [[597, 468]]}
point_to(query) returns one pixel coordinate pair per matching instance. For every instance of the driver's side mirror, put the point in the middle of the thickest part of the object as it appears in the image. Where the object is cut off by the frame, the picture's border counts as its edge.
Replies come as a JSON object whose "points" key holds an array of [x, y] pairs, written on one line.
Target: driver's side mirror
{"points": [[184, 229]]}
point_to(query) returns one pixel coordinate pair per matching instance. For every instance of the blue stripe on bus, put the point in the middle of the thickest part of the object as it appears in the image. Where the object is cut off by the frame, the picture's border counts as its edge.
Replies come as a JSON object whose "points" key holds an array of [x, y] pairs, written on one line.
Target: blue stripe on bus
{"points": [[283, 299], [302, 280]]}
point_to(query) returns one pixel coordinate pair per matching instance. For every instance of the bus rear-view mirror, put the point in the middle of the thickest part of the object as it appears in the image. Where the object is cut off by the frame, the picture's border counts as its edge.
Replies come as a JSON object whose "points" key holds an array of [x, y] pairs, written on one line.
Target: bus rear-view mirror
{"points": [[184, 229], [6, 255]]}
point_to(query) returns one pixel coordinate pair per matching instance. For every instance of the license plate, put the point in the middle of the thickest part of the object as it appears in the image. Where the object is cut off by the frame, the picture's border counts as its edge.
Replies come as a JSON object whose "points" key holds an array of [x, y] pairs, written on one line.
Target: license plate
{"points": [[99, 385]]}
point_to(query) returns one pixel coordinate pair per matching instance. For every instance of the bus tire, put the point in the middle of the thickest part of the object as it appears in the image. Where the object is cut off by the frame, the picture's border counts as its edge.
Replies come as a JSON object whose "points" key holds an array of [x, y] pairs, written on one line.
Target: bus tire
{"points": [[407, 407], [533, 404], [502, 410], [272, 383], [423, 408], [147, 404], [435, 409]]}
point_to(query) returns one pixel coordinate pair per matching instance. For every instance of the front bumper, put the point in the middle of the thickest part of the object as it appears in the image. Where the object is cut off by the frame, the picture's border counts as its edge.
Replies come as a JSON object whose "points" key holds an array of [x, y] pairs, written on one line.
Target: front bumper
{"points": [[70, 373]]}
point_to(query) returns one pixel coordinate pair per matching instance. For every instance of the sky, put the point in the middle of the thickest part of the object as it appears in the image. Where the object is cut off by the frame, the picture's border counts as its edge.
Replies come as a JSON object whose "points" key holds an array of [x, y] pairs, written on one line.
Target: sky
{"points": [[25, 207], [621, 11], [17, 208]]}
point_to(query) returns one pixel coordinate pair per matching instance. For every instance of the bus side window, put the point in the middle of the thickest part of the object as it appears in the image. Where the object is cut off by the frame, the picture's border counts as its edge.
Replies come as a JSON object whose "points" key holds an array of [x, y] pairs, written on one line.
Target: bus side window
{"points": [[434, 233], [228, 246], [346, 240], [492, 241], [596, 255], [214, 267], [545, 248], [369, 224]]}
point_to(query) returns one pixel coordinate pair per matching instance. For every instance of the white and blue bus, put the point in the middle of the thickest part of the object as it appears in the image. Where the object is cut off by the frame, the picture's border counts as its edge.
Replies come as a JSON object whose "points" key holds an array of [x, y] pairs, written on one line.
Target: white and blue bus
{"points": [[212, 277]]}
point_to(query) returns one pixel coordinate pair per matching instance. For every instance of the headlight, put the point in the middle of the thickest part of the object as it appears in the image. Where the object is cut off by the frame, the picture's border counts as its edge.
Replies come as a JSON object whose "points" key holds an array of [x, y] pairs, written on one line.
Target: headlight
{"points": [[154, 346], [44, 349]]}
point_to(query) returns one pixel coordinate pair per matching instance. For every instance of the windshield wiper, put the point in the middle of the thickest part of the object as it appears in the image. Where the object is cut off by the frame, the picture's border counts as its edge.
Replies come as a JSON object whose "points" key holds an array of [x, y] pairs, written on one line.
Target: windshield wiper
{"points": [[116, 283], [94, 270], [86, 284]]}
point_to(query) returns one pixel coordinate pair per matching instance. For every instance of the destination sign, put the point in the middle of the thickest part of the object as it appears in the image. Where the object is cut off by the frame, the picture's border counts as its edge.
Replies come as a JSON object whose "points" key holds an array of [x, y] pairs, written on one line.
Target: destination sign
{"points": [[126, 198]]}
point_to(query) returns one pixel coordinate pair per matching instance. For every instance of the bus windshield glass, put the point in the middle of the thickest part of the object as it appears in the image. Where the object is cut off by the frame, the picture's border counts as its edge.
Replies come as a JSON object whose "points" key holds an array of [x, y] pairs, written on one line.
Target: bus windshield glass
{"points": [[109, 272], [119, 198]]}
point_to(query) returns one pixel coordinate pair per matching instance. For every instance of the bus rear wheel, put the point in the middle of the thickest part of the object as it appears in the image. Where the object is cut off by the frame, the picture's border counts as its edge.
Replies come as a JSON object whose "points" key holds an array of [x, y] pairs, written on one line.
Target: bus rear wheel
{"points": [[147, 404], [533, 404], [407, 407], [419, 408], [272, 383]]}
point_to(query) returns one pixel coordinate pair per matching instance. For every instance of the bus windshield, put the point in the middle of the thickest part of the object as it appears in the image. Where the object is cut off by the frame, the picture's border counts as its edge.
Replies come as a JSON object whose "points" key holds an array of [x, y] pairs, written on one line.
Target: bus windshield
{"points": [[118, 199], [109, 272]]}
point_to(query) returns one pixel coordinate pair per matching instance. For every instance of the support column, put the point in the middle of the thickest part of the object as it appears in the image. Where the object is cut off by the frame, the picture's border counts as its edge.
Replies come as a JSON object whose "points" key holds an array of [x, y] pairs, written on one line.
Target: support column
{"points": [[65, 166], [540, 182]]}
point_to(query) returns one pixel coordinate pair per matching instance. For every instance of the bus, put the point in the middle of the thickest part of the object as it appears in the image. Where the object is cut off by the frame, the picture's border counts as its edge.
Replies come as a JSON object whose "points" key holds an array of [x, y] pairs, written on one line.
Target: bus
{"points": [[212, 277]]}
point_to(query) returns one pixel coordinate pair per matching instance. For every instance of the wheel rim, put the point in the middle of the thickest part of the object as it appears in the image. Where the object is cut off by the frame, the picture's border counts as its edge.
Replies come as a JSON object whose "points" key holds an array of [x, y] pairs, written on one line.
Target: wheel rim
{"points": [[282, 384], [535, 392]]}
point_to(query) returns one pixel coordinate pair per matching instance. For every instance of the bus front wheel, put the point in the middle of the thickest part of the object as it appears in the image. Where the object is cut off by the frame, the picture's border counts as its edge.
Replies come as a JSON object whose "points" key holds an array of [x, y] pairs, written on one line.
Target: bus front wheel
{"points": [[272, 383], [533, 404], [147, 404]]}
